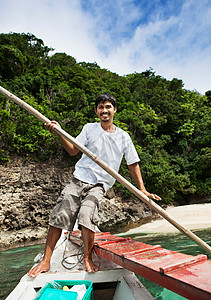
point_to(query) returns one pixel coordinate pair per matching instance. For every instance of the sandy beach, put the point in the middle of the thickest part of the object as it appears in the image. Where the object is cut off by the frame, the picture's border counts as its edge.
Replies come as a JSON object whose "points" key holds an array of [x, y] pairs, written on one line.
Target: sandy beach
{"points": [[196, 216]]}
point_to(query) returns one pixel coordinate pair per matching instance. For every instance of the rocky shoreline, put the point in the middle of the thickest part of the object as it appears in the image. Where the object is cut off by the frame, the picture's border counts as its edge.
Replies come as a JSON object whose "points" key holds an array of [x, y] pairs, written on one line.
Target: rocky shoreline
{"points": [[28, 192]]}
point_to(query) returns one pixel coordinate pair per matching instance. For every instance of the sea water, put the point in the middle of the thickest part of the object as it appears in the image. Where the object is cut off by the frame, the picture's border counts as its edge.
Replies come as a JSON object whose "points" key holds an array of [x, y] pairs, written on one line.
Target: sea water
{"points": [[15, 263]]}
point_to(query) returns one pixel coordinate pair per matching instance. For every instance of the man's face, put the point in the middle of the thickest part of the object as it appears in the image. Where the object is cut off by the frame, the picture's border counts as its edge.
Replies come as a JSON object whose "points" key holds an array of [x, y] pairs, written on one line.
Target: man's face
{"points": [[105, 111]]}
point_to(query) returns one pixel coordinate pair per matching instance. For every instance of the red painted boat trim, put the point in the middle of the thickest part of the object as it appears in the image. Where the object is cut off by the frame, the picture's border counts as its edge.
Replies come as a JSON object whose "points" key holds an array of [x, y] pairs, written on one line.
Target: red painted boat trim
{"points": [[185, 275]]}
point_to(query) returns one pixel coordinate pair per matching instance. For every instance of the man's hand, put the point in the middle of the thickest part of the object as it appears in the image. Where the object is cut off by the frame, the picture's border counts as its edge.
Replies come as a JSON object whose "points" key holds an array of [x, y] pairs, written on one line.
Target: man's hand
{"points": [[153, 196], [70, 148], [51, 126]]}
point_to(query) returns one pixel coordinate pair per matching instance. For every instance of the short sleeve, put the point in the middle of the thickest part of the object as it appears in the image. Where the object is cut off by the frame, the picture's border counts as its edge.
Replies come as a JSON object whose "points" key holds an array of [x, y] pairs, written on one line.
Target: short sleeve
{"points": [[131, 155], [82, 137]]}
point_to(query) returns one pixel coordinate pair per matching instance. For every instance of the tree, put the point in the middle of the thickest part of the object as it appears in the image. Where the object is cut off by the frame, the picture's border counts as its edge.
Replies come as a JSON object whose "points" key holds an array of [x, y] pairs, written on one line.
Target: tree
{"points": [[169, 125], [19, 53]]}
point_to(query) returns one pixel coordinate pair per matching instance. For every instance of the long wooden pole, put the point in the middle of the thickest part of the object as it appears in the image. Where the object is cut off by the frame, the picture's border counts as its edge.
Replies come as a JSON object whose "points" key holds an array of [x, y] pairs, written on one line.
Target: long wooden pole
{"points": [[113, 173]]}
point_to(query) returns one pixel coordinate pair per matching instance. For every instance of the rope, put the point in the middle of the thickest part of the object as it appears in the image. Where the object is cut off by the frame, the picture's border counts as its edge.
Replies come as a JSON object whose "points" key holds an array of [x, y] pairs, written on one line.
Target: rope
{"points": [[79, 256]]}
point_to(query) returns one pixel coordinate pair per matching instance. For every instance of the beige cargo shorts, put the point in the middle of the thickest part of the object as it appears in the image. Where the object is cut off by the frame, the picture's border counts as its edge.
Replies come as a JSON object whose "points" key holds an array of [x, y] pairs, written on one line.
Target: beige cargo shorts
{"points": [[78, 200]]}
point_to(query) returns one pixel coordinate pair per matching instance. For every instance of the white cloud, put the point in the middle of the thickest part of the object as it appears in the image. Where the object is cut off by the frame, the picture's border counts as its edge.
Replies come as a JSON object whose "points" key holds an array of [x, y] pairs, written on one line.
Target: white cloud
{"points": [[122, 36], [178, 46], [61, 24]]}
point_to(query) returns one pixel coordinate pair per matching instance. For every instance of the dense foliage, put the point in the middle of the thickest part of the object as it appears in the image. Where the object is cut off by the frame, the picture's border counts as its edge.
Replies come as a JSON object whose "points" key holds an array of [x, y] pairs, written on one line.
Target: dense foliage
{"points": [[169, 125]]}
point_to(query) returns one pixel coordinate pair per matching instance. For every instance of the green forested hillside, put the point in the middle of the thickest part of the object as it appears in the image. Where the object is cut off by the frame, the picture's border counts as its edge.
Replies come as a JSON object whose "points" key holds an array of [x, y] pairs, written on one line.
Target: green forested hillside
{"points": [[169, 125]]}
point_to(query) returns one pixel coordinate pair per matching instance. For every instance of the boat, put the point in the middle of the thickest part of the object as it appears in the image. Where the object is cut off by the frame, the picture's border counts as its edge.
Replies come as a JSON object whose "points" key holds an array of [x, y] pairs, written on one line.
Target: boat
{"points": [[120, 259], [110, 282]]}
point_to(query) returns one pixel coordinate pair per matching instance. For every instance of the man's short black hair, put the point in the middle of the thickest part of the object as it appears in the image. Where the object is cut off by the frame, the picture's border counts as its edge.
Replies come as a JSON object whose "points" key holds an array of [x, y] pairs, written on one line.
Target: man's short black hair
{"points": [[105, 97]]}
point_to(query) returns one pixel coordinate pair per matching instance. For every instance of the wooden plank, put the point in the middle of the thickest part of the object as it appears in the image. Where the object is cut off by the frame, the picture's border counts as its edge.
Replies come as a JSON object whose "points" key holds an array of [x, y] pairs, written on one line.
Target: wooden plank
{"points": [[191, 281], [185, 263], [134, 252]]}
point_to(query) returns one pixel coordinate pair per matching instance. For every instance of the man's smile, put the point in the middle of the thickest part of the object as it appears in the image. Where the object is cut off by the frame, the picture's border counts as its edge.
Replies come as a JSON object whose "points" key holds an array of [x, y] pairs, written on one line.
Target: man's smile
{"points": [[105, 114]]}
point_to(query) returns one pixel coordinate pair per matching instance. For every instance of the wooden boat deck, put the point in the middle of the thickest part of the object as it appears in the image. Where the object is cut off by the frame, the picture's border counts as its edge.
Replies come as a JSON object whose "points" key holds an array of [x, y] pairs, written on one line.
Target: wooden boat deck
{"points": [[186, 275]]}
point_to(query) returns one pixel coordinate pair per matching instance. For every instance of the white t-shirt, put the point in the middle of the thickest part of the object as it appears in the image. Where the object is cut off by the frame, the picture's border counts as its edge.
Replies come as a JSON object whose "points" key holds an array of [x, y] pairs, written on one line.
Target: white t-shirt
{"points": [[110, 147]]}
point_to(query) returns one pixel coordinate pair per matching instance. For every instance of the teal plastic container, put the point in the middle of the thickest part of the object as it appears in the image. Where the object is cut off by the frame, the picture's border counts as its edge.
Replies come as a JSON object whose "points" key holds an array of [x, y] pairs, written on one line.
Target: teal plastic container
{"points": [[55, 294], [51, 290]]}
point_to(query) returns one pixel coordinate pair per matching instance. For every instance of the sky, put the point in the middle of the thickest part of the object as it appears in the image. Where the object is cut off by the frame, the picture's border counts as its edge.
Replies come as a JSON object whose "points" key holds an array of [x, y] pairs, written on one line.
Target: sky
{"points": [[172, 37]]}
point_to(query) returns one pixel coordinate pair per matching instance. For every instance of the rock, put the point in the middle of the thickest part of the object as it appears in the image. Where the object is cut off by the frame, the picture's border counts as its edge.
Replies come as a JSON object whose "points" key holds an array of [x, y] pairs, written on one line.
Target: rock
{"points": [[110, 193], [29, 191]]}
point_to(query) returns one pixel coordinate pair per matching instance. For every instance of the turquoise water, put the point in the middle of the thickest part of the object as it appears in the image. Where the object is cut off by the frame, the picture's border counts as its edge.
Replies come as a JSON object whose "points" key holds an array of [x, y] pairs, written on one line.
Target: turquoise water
{"points": [[16, 262]]}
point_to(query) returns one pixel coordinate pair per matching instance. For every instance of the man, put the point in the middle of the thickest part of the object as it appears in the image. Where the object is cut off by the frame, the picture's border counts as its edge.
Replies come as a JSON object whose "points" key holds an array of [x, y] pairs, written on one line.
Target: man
{"points": [[82, 195]]}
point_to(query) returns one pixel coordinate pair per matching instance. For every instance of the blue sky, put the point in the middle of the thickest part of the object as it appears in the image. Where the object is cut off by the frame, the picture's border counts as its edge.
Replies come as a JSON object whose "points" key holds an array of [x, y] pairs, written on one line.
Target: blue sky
{"points": [[173, 37]]}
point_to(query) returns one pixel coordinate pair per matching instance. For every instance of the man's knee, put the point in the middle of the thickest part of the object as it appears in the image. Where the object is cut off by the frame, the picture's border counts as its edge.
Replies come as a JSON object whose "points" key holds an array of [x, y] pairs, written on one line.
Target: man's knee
{"points": [[88, 217]]}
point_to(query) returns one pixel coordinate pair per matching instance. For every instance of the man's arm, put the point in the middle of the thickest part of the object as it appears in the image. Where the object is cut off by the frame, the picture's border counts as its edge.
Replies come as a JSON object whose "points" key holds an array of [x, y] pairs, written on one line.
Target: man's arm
{"points": [[70, 148], [135, 173]]}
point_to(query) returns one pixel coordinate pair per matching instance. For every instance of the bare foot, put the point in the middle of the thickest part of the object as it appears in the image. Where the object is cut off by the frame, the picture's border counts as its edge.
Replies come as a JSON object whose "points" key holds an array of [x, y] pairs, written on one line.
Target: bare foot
{"points": [[42, 267], [90, 266]]}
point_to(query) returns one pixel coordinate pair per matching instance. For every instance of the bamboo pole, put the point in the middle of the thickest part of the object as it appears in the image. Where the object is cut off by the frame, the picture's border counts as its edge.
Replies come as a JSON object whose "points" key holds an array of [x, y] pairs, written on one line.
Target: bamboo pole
{"points": [[112, 172]]}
